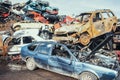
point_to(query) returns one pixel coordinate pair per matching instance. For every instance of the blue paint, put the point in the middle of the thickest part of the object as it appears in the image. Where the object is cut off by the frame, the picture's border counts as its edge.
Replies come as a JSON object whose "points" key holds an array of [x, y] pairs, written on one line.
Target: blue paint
{"points": [[69, 65]]}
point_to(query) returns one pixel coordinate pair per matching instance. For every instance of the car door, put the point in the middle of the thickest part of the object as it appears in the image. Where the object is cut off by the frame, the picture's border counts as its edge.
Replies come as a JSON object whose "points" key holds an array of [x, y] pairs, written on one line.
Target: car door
{"points": [[59, 60], [112, 20], [53, 63], [65, 60], [107, 21], [66, 64], [98, 25], [42, 54], [53, 59]]}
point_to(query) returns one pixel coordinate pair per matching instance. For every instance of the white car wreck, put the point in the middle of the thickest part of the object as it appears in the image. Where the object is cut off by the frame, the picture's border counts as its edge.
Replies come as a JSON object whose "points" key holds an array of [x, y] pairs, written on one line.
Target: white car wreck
{"points": [[21, 38]]}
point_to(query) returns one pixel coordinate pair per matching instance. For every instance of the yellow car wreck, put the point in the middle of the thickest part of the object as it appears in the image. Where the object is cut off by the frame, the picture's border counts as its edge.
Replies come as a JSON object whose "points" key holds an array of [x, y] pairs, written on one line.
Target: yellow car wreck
{"points": [[89, 25]]}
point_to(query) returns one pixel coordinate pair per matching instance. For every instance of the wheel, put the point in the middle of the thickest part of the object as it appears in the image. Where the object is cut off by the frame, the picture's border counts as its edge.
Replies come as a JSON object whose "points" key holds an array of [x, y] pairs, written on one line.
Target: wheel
{"points": [[16, 28], [87, 76], [30, 64], [84, 39]]}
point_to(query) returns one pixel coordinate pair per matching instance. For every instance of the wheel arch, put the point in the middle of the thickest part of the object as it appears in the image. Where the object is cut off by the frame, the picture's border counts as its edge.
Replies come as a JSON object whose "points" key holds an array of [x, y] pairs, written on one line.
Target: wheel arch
{"points": [[85, 32], [114, 24], [27, 58], [16, 26]]}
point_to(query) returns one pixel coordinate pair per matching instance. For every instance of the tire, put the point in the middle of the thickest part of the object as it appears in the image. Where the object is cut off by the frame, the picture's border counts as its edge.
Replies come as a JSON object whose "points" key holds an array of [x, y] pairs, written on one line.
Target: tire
{"points": [[84, 38], [30, 64], [87, 76]]}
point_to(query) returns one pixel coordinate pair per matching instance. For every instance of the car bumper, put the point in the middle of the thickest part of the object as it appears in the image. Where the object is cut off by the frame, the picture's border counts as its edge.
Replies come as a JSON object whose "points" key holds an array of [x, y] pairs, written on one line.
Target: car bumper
{"points": [[13, 53]]}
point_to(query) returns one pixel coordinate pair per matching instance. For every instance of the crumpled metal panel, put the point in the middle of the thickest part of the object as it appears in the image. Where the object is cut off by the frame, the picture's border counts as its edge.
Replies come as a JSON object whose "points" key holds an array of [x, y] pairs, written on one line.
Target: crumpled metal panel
{"points": [[92, 23]]}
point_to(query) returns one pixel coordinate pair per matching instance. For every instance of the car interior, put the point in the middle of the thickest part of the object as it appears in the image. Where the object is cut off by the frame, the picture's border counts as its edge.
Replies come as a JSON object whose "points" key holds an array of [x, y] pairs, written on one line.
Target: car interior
{"points": [[60, 51]]}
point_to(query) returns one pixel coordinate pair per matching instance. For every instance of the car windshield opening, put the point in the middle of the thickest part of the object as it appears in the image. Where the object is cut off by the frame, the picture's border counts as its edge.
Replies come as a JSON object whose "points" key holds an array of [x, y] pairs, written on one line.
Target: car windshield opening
{"points": [[32, 47], [85, 17]]}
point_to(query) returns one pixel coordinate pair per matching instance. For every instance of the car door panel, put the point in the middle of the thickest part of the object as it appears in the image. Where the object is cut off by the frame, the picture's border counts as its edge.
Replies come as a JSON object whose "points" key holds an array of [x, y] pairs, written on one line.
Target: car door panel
{"points": [[41, 59], [64, 60], [98, 24], [99, 28], [53, 62], [66, 64], [42, 53], [108, 25]]}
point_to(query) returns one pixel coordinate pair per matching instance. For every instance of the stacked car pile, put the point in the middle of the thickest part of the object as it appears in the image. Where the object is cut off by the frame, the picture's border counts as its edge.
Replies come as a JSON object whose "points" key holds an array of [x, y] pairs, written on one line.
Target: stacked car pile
{"points": [[37, 10], [74, 47]]}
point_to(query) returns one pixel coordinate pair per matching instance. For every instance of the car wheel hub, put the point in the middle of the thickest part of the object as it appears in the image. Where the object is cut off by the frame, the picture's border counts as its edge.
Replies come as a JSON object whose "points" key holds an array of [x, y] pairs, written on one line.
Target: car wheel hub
{"points": [[30, 64], [86, 77], [84, 39]]}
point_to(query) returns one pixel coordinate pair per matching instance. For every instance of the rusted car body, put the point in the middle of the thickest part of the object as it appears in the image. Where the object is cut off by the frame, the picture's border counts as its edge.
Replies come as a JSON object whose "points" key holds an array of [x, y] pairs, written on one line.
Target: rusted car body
{"points": [[2, 49], [118, 23], [4, 40], [21, 38], [90, 25]]}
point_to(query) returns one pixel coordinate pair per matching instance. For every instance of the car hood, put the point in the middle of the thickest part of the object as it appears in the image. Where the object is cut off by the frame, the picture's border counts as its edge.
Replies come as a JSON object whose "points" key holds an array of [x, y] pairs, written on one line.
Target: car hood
{"points": [[78, 27]]}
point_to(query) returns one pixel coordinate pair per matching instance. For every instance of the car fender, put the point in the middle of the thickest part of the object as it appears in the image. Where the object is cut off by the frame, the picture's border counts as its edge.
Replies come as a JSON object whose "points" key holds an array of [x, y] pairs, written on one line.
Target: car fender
{"points": [[93, 72]]}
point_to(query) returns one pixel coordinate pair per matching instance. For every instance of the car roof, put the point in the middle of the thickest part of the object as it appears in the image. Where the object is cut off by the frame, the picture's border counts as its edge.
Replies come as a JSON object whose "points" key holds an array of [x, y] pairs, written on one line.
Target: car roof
{"points": [[28, 23], [45, 41], [26, 31], [96, 11]]}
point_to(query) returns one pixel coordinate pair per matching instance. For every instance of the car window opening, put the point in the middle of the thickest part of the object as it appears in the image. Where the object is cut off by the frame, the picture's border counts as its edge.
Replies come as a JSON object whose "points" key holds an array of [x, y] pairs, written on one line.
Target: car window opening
{"points": [[60, 51], [97, 17], [32, 47]]}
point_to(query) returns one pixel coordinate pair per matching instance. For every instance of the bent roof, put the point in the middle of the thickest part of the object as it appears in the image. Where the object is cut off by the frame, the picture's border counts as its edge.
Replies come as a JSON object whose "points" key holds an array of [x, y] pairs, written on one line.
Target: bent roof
{"points": [[96, 11]]}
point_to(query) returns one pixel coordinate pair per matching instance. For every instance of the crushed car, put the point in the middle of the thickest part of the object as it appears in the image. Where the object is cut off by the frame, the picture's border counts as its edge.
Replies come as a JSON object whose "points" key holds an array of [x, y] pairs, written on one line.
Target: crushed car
{"points": [[7, 17], [45, 30], [29, 25], [90, 25], [39, 11], [4, 9], [4, 39], [57, 57], [6, 13], [21, 38], [3, 48]]}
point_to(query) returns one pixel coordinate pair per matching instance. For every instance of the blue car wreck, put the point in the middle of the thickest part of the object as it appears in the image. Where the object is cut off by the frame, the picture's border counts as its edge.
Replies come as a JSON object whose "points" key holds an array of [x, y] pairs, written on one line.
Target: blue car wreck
{"points": [[57, 57]]}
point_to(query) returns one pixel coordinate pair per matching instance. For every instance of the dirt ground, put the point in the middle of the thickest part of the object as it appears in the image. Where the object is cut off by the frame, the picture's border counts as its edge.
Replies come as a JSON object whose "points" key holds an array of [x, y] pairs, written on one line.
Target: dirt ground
{"points": [[18, 71]]}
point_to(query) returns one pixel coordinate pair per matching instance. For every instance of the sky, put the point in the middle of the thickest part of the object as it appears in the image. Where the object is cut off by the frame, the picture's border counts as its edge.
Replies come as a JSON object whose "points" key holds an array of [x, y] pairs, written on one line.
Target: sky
{"points": [[70, 7]]}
